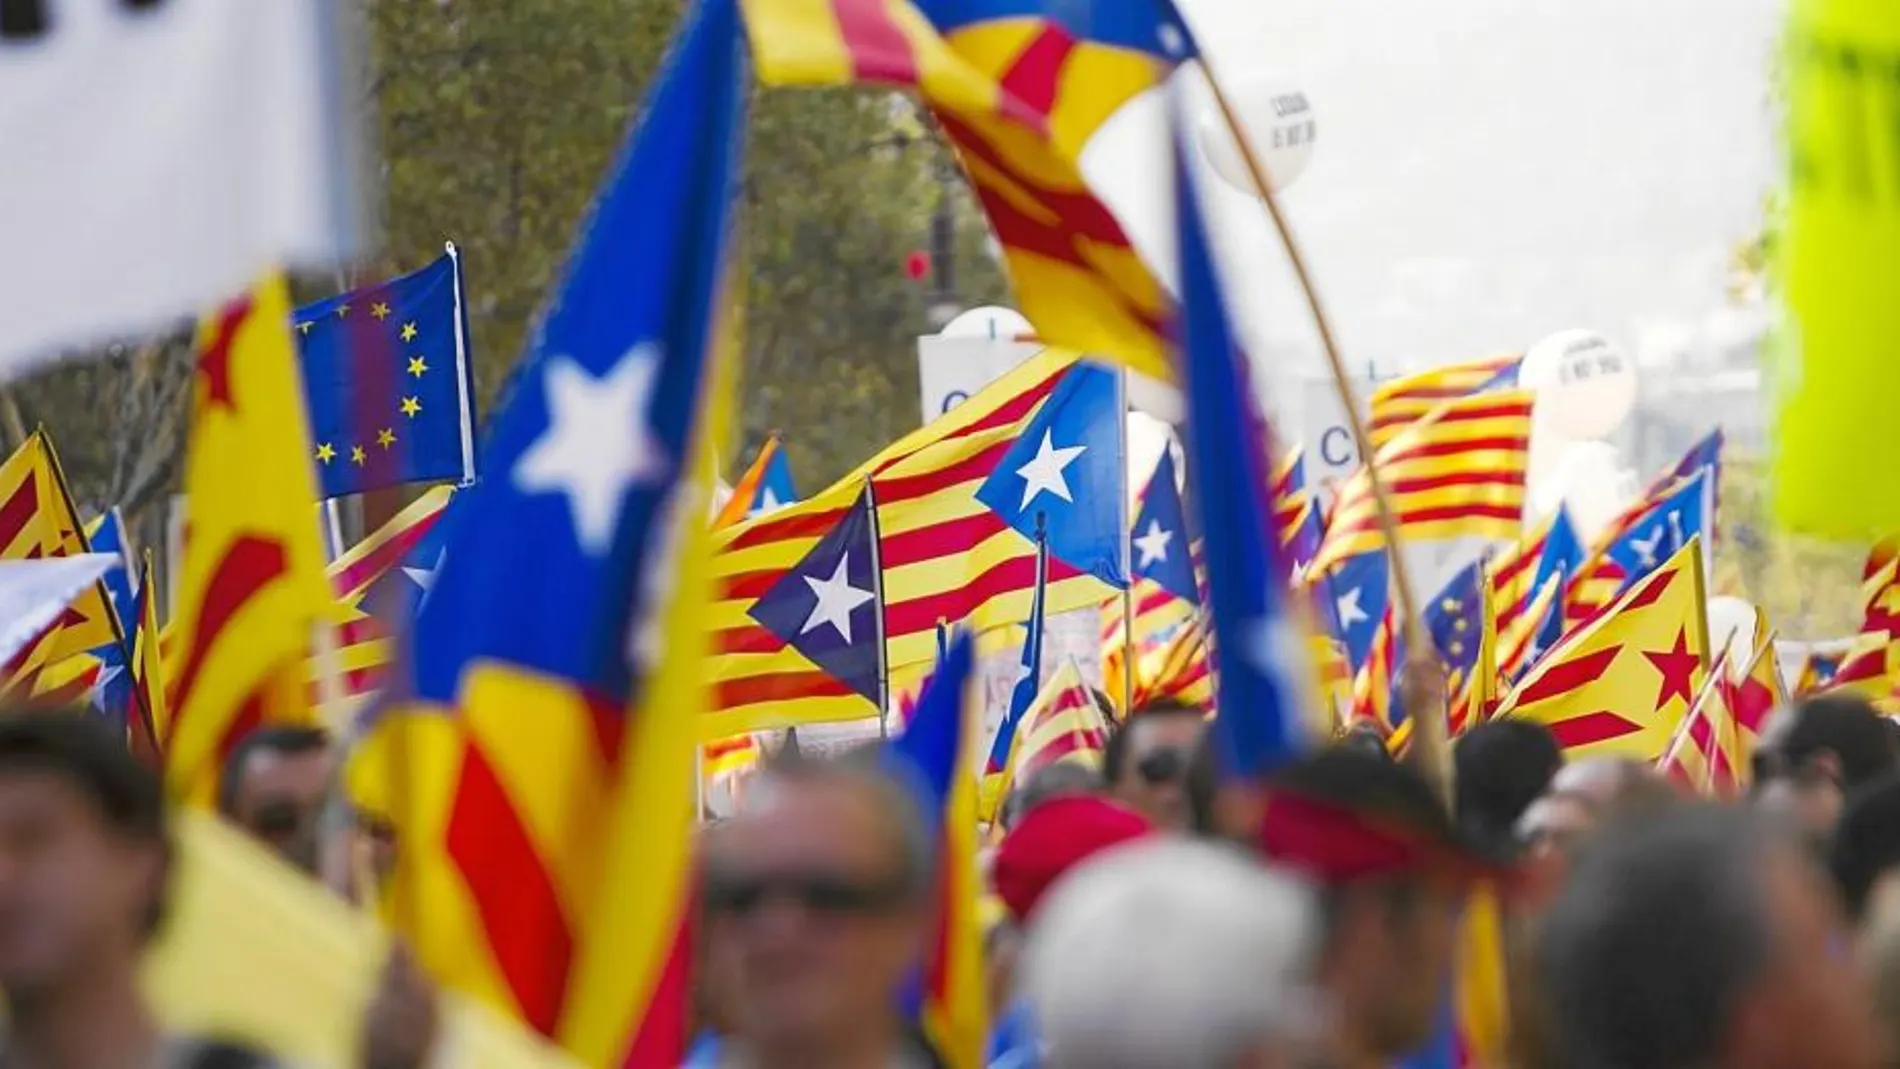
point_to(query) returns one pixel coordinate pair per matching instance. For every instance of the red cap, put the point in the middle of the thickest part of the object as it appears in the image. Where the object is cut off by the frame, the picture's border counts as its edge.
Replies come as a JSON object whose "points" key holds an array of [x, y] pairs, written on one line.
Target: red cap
{"points": [[1053, 838]]}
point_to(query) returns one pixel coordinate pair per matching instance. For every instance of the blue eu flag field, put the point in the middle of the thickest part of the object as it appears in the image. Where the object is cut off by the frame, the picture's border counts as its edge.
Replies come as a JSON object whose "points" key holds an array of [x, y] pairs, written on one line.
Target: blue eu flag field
{"points": [[387, 383]]}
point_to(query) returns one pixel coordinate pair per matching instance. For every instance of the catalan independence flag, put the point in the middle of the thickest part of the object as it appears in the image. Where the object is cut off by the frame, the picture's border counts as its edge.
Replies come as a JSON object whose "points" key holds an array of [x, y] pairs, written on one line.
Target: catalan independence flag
{"points": [[388, 384], [1458, 472], [934, 757], [544, 782], [253, 587], [37, 520], [944, 556], [1402, 402], [1019, 86]]}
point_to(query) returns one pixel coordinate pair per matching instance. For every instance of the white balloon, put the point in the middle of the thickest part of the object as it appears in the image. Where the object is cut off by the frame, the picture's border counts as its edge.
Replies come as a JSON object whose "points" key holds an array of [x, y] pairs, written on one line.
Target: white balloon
{"points": [[1731, 620], [1585, 386], [989, 321], [1278, 119], [1591, 481]]}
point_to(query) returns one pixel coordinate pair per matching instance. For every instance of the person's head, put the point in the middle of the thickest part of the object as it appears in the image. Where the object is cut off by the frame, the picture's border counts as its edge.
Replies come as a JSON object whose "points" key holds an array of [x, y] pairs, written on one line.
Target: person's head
{"points": [[1501, 767], [1814, 754], [1393, 872], [816, 895], [1866, 847], [1171, 952], [1056, 838], [1147, 757], [1064, 779], [84, 856], [274, 784], [1701, 936]]}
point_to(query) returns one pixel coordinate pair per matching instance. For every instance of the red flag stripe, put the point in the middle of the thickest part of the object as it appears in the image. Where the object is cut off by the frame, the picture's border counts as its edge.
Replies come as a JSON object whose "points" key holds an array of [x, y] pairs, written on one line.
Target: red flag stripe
{"points": [[1566, 676], [880, 51], [247, 567]]}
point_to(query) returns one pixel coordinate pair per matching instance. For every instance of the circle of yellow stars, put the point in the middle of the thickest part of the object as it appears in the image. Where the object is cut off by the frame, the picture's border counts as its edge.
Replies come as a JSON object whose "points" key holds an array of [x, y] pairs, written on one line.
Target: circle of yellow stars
{"points": [[411, 405]]}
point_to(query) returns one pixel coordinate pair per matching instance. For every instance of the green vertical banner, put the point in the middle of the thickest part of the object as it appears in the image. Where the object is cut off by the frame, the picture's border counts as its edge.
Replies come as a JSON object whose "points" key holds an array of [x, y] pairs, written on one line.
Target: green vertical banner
{"points": [[1836, 468]]}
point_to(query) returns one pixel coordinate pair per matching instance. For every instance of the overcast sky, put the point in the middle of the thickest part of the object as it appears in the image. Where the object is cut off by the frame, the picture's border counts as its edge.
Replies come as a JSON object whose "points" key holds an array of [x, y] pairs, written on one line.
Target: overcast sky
{"points": [[1491, 171]]}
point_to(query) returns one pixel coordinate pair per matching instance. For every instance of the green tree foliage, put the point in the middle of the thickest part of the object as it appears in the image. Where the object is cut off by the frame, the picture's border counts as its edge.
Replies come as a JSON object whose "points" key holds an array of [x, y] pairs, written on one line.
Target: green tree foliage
{"points": [[494, 121]]}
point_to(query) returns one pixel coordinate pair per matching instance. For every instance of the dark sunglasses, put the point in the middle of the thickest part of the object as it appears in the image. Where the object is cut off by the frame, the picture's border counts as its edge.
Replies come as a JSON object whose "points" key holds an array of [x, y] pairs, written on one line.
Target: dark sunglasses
{"points": [[1163, 766], [740, 895]]}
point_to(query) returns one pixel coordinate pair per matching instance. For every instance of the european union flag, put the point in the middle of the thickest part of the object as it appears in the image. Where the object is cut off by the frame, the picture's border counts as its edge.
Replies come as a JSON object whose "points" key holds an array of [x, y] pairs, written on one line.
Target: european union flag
{"points": [[1455, 620], [1069, 468], [555, 555], [1163, 554], [1265, 666], [827, 605], [387, 383]]}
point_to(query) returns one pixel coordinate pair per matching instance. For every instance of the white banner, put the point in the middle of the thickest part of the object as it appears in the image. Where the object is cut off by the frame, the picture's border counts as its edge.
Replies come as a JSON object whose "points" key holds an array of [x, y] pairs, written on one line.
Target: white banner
{"points": [[950, 369], [1326, 433], [155, 158], [33, 594]]}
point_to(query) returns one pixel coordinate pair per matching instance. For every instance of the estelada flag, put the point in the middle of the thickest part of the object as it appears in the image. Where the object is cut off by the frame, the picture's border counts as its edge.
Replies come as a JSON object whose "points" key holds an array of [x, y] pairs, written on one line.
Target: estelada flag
{"points": [[253, 585], [1620, 685]]}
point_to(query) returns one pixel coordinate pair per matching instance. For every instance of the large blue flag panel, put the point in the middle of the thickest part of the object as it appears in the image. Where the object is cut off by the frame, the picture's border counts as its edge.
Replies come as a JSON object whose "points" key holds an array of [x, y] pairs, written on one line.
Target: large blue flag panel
{"points": [[560, 548], [1265, 666], [826, 606], [1068, 471], [387, 382]]}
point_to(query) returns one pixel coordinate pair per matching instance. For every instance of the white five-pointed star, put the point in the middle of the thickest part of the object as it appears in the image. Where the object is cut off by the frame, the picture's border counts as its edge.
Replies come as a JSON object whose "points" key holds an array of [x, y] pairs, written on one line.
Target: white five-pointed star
{"points": [[1153, 544], [837, 600], [1044, 470], [598, 444], [1646, 550], [768, 502], [422, 577], [1350, 612]]}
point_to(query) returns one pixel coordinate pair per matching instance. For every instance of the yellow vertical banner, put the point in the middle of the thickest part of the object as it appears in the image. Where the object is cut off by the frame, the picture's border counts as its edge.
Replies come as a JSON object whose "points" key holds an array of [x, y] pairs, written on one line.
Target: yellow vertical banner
{"points": [[1837, 461]]}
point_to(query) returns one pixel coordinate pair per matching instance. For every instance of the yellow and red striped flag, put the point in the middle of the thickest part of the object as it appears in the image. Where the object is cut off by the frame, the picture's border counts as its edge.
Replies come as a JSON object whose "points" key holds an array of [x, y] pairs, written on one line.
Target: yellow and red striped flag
{"points": [[1402, 402], [253, 585], [944, 555], [1019, 92], [1706, 755], [150, 698], [1181, 672], [1458, 472], [358, 568], [37, 520], [1517, 649], [1063, 723], [1758, 692], [1159, 617], [1871, 667], [1620, 685]]}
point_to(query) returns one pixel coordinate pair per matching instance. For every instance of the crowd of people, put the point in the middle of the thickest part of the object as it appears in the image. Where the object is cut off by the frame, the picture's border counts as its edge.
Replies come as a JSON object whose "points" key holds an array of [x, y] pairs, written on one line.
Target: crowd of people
{"points": [[1145, 916]]}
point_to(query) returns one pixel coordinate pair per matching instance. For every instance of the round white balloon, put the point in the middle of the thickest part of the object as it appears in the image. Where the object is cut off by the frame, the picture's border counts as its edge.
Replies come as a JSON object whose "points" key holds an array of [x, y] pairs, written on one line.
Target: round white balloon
{"points": [[1585, 386], [1731, 620], [1591, 482], [1278, 119], [989, 321]]}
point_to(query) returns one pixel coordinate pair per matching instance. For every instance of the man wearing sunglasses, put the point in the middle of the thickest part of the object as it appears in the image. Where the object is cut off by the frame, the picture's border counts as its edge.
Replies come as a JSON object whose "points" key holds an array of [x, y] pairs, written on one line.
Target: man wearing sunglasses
{"points": [[1147, 758], [816, 902]]}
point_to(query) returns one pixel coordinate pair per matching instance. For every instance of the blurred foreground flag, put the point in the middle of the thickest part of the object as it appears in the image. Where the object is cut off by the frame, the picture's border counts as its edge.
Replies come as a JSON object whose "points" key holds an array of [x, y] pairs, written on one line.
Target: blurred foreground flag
{"points": [[252, 587], [161, 156], [1266, 671], [1019, 87], [1842, 250], [547, 848]]}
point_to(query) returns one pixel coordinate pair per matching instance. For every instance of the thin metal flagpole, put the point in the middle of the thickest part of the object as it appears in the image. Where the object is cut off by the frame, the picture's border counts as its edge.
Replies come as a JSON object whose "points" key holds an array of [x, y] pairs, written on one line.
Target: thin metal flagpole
{"points": [[1430, 738], [465, 379], [877, 614], [1126, 510]]}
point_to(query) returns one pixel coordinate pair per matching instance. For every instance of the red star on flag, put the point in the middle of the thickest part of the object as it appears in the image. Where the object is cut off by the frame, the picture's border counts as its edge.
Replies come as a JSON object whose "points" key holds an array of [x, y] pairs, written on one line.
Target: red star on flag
{"points": [[1677, 666]]}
